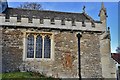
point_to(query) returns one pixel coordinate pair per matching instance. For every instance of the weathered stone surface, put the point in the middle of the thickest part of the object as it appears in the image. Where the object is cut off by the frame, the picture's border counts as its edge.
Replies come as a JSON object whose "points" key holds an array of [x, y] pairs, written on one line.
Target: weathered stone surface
{"points": [[94, 44], [11, 53], [65, 63], [90, 56]]}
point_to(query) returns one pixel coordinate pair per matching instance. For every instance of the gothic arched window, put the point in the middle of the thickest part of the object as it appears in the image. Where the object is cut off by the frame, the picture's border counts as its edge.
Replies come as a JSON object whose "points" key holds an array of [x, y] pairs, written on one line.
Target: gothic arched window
{"points": [[39, 46], [47, 47], [30, 46]]}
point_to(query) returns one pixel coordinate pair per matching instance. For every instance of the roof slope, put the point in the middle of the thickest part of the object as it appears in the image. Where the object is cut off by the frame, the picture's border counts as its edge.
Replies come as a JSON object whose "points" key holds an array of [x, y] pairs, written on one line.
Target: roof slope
{"points": [[116, 57], [47, 14]]}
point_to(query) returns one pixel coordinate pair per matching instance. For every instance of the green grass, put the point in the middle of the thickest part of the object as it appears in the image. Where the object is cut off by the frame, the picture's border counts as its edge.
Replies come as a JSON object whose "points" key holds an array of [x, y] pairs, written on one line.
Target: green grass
{"points": [[25, 75]]}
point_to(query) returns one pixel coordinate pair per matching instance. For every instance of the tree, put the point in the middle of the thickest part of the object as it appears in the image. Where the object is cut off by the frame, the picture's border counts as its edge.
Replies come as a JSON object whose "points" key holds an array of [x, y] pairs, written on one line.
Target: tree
{"points": [[31, 5], [118, 49]]}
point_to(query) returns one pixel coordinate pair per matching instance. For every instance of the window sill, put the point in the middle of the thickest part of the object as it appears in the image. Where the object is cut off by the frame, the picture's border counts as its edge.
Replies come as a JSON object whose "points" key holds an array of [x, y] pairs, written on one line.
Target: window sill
{"points": [[38, 59]]}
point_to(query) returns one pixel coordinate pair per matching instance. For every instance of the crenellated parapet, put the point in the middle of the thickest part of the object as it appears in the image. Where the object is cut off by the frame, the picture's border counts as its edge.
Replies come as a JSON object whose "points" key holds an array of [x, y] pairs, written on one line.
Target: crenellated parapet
{"points": [[54, 23]]}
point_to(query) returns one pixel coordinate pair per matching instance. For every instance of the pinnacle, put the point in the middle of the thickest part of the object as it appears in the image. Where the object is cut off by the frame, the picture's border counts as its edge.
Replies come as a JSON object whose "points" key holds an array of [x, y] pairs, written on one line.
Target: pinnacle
{"points": [[102, 6]]}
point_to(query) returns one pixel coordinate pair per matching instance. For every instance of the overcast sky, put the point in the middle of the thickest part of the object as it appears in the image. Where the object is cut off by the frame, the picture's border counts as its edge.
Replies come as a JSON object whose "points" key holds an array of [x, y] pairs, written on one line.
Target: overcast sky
{"points": [[92, 9]]}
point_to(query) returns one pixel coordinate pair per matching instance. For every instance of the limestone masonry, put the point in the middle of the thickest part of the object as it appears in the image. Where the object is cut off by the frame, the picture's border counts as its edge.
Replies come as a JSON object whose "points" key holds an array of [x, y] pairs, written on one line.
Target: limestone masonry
{"points": [[46, 42]]}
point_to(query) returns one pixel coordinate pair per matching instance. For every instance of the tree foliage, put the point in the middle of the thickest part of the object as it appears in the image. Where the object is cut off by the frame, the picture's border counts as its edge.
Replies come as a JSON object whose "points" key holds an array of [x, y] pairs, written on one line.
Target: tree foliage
{"points": [[31, 5]]}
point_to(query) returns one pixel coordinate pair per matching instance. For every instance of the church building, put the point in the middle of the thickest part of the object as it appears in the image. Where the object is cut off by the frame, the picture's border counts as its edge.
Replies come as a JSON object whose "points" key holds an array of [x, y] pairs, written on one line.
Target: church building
{"points": [[57, 44]]}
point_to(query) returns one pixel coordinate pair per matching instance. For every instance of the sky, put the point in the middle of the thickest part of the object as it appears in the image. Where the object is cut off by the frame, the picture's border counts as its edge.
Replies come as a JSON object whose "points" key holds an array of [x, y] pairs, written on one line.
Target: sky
{"points": [[92, 9], [64, 0]]}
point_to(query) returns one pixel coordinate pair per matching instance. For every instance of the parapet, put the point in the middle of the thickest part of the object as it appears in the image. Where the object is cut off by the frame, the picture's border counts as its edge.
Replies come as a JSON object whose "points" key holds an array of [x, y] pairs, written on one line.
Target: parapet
{"points": [[51, 23]]}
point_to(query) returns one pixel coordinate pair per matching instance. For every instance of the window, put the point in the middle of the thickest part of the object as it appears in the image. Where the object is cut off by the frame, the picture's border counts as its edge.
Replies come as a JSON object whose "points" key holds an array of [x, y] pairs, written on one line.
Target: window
{"points": [[38, 45], [39, 42], [47, 48], [30, 46]]}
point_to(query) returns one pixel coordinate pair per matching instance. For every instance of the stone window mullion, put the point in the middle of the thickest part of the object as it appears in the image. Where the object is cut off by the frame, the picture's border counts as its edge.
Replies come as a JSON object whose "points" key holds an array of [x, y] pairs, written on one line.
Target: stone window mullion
{"points": [[51, 46], [43, 46], [35, 45], [24, 41]]}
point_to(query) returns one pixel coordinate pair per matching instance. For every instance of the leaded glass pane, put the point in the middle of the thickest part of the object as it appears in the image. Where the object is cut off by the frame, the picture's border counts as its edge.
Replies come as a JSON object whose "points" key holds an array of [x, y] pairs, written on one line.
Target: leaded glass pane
{"points": [[39, 47], [47, 47], [30, 46]]}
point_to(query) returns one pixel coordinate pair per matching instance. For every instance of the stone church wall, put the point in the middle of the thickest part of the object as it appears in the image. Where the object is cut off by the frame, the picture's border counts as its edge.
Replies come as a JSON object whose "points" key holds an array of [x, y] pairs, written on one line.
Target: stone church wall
{"points": [[90, 56], [11, 51], [65, 62]]}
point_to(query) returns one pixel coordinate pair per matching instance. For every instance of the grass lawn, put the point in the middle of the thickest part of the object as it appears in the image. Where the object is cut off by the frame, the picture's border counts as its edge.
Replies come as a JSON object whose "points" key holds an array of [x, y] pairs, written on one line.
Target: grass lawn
{"points": [[25, 75]]}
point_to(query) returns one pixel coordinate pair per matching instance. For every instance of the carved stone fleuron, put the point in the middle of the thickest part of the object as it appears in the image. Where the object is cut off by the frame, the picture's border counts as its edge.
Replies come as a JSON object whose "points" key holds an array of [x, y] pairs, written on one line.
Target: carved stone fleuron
{"points": [[94, 44]]}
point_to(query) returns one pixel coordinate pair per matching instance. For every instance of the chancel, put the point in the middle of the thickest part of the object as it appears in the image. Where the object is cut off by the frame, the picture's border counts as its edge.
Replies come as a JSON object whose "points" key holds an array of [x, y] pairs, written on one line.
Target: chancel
{"points": [[45, 41]]}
